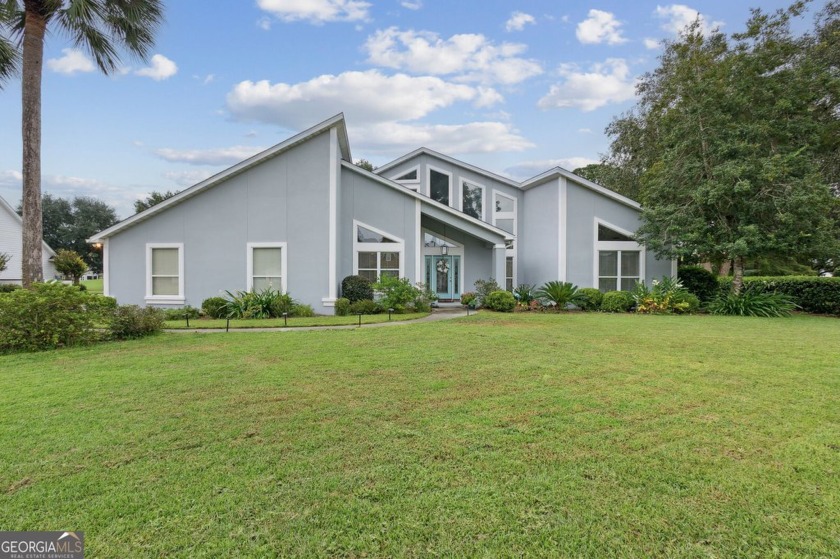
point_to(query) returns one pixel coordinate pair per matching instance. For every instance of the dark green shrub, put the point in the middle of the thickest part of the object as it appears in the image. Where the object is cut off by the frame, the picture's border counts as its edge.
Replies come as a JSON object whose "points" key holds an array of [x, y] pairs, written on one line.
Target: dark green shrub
{"points": [[422, 305], [215, 307], [47, 316], [82, 287], [468, 299], [809, 293], [589, 299], [365, 307], [753, 303], [397, 293], [8, 287], [342, 306], [356, 288], [500, 301], [483, 288], [685, 302], [281, 303], [181, 313], [301, 310], [101, 304], [699, 281], [525, 293], [131, 321], [558, 293], [617, 301]]}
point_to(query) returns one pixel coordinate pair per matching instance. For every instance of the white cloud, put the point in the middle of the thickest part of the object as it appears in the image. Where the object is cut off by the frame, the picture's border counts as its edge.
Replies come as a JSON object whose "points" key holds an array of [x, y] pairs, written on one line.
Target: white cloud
{"points": [[468, 57], [161, 68], [412, 5], [678, 16], [528, 169], [585, 130], [264, 23], [212, 156], [605, 83], [11, 178], [188, 178], [651, 44], [316, 11], [73, 61], [365, 97], [600, 27], [518, 20], [473, 137]]}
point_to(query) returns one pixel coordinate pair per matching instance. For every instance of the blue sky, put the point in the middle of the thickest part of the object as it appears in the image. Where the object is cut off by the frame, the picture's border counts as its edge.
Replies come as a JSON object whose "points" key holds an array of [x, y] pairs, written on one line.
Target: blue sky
{"points": [[514, 87]]}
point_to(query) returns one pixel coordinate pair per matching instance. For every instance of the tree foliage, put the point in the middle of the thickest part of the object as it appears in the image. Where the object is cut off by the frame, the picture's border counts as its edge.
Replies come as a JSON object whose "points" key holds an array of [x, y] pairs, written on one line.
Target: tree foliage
{"points": [[152, 199], [730, 143], [69, 263], [365, 164], [4, 260]]}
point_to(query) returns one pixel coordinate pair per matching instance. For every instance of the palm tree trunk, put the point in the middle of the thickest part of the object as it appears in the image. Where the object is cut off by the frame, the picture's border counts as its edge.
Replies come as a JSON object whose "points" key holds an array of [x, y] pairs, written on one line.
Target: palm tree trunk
{"points": [[33, 59]]}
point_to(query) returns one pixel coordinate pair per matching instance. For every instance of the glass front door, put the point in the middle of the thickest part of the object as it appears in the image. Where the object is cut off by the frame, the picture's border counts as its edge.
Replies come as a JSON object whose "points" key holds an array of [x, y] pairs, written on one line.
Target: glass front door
{"points": [[443, 276]]}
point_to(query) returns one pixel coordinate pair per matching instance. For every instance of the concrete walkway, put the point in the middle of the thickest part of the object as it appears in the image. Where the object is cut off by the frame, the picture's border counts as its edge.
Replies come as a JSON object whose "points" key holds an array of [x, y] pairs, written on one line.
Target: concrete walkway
{"points": [[437, 315]]}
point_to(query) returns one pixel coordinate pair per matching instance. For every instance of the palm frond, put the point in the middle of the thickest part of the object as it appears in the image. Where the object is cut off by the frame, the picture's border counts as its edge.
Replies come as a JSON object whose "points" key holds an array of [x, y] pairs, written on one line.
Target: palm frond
{"points": [[10, 18]]}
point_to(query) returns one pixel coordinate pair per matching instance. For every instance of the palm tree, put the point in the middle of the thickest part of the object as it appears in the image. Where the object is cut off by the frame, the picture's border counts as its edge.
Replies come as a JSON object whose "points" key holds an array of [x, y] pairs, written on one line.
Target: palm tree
{"points": [[101, 27]]}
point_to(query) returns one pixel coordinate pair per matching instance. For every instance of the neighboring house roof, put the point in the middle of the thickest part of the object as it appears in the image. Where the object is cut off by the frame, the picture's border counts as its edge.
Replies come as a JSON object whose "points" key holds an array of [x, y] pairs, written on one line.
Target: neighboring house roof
{"points": [[558, 172], [426, 200], [337, 121], [542, 178], [433, 153], [6, 206]]}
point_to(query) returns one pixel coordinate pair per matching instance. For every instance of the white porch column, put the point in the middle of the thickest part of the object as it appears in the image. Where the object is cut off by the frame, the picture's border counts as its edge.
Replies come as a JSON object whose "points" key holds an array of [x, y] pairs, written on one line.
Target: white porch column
{"points": [[499, 264]]}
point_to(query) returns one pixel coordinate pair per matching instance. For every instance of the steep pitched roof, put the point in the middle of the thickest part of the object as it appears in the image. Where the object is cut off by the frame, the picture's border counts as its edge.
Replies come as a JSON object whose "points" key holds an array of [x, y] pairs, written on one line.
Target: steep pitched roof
{"points": [[448, 159], [6, 206], [558, 172], [337, 121]]}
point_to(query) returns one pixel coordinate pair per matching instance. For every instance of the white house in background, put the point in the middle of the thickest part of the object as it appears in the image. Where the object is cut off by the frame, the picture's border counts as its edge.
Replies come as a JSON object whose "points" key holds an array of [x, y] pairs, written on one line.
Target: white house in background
{"points": [[11, 242], [300, 216]]}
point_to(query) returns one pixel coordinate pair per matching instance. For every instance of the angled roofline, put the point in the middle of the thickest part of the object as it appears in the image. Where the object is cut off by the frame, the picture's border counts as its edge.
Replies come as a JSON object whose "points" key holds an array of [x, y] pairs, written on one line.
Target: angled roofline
{"points": [[448, 159], [242, 166], [556, 172], [427, 200], [19, 219]]}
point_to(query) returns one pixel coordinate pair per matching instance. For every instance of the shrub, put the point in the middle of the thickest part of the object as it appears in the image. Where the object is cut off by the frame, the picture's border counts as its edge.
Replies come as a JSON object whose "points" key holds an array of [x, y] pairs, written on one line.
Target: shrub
{"points": [[483, 288], [686, 303], [589, 299], [82, 287], [342, 306], [398, 293], [366, 306], [215, 307], [69, 264], [525, 293], [617, 301], [665, 296], [500, 301], [753, 303], [468, 299], [558, 293], [8, 287], [281, 303], [258, 304], [699, 281], [131, 321], [101, 305], [356, 288], [47, 316], [811, 294], [301, 310], [181, 313]]}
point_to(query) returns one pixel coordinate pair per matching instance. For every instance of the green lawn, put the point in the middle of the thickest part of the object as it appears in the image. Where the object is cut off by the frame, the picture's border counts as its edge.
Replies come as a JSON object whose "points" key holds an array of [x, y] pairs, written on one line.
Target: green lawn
{"points": [[93, 286], [293, 322], [585, 435]]}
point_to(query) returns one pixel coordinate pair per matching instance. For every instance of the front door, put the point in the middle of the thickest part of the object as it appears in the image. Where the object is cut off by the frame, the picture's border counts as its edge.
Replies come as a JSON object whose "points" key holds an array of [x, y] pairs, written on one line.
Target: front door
{"points": [[443, 276]]}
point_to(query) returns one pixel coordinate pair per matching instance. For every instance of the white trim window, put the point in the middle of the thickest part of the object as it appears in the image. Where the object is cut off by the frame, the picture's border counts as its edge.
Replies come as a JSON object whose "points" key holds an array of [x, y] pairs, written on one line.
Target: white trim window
{"points": [[439, 186], [619, 260], [410, 178], [504, 217], [472, 199], [266, 266], [165, 273], [377, 253]]}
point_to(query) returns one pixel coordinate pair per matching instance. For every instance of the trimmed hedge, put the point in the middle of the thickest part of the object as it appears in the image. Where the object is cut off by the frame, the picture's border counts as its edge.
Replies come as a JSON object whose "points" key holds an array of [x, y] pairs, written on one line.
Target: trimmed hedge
{"points": [[500, 301], [809, 293], [699, 281], [589, 298], [617, 301], [356, 288]]}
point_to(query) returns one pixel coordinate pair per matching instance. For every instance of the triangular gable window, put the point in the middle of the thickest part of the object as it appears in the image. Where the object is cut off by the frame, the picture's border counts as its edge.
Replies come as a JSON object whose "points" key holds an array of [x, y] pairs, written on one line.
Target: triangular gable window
{"points": [[431, 240], [409, 176], [607, 234], [365, 235]]}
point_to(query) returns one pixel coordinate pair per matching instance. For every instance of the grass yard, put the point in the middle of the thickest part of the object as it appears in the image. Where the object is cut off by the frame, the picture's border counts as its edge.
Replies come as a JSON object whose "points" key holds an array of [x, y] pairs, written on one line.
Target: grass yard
{"points": [[93, 286], [293, 322], [585, 435]]}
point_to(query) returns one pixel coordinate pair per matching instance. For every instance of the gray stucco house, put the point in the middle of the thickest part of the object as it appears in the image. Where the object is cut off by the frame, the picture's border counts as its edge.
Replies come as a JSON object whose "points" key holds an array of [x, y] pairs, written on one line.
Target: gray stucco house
{"points": [[301, 216]]}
